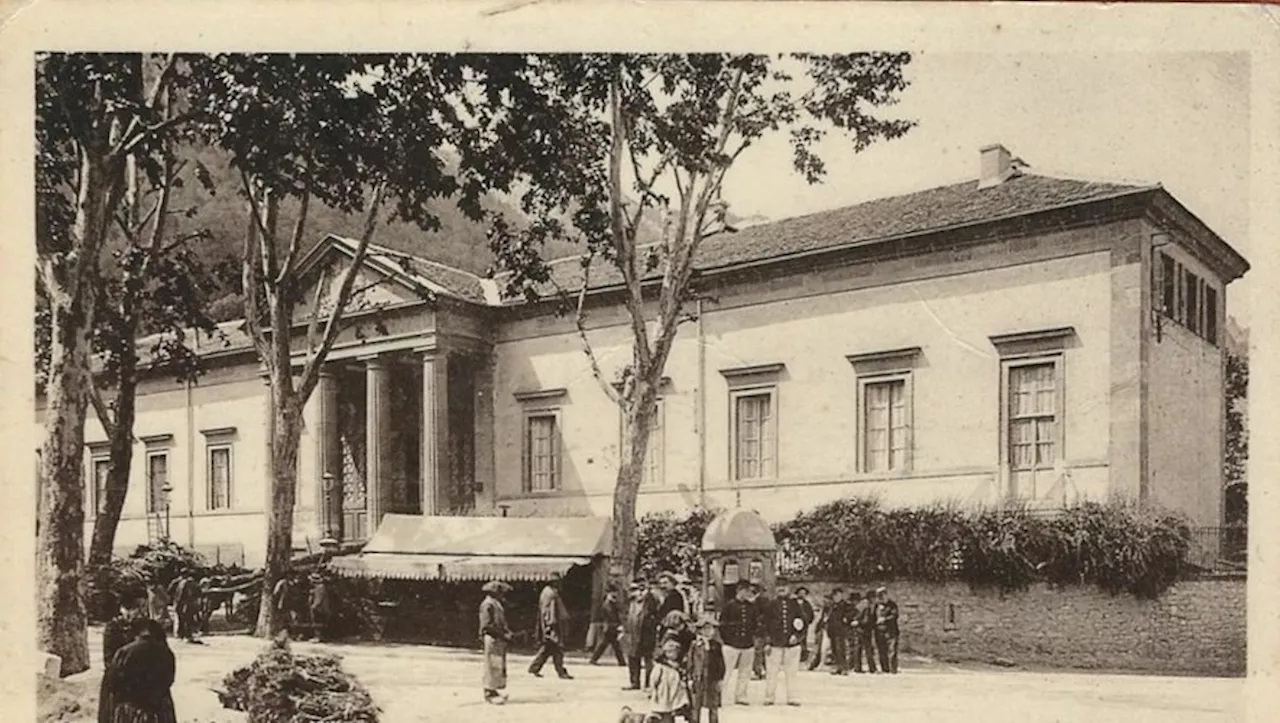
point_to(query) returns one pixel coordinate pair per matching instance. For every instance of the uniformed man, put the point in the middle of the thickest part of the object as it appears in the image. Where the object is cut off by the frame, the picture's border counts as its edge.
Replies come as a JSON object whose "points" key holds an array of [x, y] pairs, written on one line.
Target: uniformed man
{"points": [[739, 628], [784, 625], [886, 630]]}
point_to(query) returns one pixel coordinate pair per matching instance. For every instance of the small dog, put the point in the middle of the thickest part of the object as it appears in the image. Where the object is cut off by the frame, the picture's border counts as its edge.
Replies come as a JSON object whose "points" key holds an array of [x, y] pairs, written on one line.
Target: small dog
{"points": [[630, 716]]}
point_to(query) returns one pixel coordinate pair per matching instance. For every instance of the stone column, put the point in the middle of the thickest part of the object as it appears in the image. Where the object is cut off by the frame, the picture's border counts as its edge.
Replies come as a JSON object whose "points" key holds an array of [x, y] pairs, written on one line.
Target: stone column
{"points": [[377, 423], [328, 457], [435, 432]]}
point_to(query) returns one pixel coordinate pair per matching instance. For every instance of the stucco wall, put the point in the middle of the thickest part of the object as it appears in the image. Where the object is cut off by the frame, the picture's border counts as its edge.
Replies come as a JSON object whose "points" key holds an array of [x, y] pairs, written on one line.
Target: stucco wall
{"points": [[1186, 414], [1197, 627], [810, 323]]}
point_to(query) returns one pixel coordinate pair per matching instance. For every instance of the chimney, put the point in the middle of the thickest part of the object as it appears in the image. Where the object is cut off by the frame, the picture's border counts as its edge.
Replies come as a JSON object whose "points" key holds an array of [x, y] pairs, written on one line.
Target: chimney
{"points": [[997, 166]]}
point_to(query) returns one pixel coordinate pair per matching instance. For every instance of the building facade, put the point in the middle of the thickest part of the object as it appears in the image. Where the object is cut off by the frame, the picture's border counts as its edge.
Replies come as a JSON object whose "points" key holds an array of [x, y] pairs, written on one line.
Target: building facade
{"points": [[1015, 338]]}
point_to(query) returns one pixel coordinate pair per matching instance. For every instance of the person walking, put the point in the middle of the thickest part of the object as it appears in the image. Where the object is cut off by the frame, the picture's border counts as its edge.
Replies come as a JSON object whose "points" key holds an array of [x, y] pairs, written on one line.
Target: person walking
{"points": [[495, 635], [142, 674], [610, 626], [885, 614], [863, 625], [784, 624], [705, 672], [117, 633], [550, 629], [806, 611], [739, 629], [640, 634]]}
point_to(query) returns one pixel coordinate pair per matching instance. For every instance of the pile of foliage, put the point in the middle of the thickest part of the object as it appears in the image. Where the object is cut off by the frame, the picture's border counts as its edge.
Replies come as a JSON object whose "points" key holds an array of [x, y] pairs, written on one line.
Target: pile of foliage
{"points": [[666, 542], [280, 687], [1116, 547], [160, 563]]}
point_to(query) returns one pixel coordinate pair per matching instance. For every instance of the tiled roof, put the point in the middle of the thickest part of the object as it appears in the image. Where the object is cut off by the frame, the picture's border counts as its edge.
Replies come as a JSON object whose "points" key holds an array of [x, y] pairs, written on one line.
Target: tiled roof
{"points": [[437, 276], [877, 220]]}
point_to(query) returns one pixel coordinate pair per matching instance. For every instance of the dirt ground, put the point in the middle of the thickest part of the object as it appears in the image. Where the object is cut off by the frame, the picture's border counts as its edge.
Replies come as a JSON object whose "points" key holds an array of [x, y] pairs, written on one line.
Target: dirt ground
{"points": [[419, 684]]}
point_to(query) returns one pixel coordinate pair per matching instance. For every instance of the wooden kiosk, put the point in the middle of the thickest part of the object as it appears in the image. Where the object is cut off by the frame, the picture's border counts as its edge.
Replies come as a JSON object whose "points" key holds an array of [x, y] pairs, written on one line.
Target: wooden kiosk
{"points": [[738, 546]]}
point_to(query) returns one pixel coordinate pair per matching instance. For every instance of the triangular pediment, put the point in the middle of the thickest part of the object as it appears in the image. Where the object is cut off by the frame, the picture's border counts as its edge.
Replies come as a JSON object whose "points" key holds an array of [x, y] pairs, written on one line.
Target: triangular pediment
{"points": [[378, 284]]}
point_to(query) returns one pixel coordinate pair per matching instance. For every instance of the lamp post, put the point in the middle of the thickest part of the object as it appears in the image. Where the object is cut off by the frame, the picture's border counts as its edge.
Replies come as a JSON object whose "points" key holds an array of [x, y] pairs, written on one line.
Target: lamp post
{"points": [[167, 490]]}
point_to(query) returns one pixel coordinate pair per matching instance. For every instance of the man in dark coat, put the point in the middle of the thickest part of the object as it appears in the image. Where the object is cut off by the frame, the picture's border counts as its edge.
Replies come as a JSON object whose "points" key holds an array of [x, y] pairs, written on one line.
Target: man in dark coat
{"points": [[186, 605], [553, 618], [806, 609], [784, 624], [640, 633], [863, 624], [740, 626], [885, 614], [671, 598], [610, 619], [838, 631]]}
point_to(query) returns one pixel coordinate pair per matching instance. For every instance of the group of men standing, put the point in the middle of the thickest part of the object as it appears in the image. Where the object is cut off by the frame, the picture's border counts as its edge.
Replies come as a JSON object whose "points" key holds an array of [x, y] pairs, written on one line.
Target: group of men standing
{"points": [[862, 627]]}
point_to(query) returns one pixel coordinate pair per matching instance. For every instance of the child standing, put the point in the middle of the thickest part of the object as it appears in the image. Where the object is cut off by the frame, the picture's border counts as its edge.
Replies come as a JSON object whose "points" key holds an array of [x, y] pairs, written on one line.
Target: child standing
{"points": [[705, 666], [669, 690]]}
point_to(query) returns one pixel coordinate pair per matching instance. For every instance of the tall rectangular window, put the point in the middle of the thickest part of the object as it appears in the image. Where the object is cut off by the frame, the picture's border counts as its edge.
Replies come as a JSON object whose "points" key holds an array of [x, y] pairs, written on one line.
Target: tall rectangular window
{"points": [[1210, 314], [1033, 416], [1169, 283], [754, 435], [101, 470], [219, 477], [542, 452], [1192, 303], [886, 425], [157, 479]]}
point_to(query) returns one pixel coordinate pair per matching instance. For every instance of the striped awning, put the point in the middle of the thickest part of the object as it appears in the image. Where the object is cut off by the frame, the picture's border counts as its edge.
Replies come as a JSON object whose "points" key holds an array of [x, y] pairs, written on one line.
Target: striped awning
{"points": [[389, 565], [393, 566], [511, 569]]}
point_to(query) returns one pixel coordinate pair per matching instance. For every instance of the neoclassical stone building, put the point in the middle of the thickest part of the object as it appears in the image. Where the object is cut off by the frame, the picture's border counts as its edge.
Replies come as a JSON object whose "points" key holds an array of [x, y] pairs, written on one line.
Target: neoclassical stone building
{"points": [[1014, 337]]}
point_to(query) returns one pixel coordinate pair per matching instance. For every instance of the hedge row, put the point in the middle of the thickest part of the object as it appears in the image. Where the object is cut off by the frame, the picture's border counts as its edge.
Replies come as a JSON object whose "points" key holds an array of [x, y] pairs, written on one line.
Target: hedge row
{"points": [[1116, 547]]}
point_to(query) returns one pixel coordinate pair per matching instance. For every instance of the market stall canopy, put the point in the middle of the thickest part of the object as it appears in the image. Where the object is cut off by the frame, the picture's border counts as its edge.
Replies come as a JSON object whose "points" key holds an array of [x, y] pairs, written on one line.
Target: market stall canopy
{"points": [[738, 530], [413, 547]]}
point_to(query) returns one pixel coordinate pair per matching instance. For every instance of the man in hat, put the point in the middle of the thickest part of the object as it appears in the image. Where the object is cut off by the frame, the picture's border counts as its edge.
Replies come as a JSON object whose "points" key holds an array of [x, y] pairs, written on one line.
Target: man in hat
{"points": [[886, 630], [806, 610], [784, 624], [610, 624], [550, 629], [640, 633], [494, 636], [863, 641], [739, 629], [670, 596], [837, 623]]}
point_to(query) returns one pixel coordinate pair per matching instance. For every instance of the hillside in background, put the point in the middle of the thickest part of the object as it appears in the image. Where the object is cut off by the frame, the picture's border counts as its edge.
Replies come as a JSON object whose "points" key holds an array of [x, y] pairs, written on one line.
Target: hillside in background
{"points": [[459, 242]]}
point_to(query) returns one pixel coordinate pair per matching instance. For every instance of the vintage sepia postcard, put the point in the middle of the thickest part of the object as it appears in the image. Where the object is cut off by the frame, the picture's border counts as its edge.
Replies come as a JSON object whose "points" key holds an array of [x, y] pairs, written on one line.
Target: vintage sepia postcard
{"points": [[761, 361]]}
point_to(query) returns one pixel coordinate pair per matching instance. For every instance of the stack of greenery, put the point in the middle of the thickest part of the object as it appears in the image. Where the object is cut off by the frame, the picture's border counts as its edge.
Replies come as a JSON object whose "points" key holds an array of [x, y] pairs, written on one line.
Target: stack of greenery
{"points": [[1116, 547], [160, 563], [280, 687]]}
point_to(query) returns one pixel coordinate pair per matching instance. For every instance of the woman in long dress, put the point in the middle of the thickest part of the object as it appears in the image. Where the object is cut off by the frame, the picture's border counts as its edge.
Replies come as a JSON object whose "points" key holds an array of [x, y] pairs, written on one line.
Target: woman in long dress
{"points": [[142, 674], [495, 635], [117, 633]]}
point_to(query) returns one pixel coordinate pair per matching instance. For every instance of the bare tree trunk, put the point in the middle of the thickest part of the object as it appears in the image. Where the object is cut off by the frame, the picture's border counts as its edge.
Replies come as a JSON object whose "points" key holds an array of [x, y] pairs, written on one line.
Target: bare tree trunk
{"points": [[286, 438], [121, 443], [638, 409]]}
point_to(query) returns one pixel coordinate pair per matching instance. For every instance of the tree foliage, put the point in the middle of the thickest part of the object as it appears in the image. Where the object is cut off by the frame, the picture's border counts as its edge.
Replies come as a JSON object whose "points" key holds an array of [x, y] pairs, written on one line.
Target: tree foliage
{"points": [[625, 136], [672, 543], [1237, 391]]}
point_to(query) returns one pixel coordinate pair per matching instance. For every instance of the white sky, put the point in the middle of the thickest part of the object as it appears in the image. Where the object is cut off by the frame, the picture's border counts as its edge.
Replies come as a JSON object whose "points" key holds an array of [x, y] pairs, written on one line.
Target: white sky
{"points": [[1181, 119]]}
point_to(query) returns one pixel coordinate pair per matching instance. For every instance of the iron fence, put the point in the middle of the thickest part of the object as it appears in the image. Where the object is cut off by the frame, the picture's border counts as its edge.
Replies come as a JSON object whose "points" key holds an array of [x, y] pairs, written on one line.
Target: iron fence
{"points": [[1220, 549]]}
